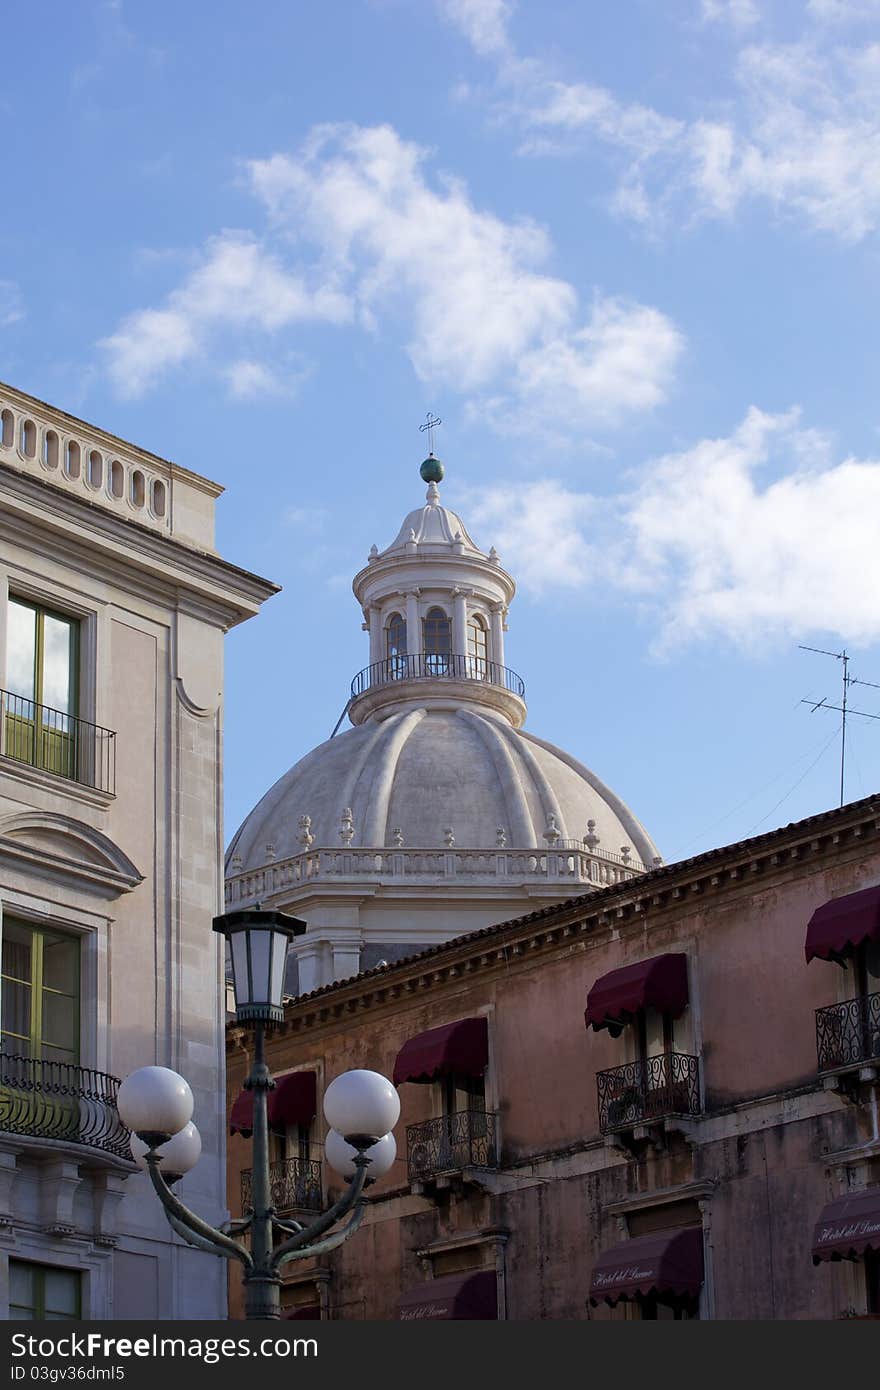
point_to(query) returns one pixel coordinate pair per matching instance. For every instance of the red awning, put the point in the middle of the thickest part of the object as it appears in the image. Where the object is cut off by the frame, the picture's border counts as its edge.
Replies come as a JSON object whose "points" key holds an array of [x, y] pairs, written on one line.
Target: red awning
{"points": [[667, 1263], [659, 983], [460, 1296], [848, 1227], [838, 926], [293, 1102], [461, 1048]]}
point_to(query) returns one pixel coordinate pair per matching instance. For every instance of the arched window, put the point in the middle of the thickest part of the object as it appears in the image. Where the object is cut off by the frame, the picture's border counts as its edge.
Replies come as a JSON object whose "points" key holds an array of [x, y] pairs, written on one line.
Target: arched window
{"points": [[95, 471], [137, 489], [28, 439], [7, 420], [477, 649], [117, 479], [438, 643], [159, 498], [395, 646]]}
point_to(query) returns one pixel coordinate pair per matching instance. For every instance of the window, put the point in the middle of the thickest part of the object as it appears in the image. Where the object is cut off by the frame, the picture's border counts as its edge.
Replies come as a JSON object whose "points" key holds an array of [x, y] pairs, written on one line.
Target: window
{"points": [[40, 1292], [438, 642], [477, 649], [466, 1135], [40, 993], [395, 645], [42, 665]]}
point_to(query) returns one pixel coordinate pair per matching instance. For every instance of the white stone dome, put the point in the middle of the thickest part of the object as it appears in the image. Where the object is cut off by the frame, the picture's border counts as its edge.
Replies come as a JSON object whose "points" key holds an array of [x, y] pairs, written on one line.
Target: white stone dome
{"points": [[425, 772]]}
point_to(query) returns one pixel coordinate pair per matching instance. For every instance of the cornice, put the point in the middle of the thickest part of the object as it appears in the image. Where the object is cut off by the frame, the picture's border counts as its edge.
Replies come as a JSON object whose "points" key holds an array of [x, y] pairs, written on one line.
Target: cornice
{"points": [[30, 504], [647, 902]]}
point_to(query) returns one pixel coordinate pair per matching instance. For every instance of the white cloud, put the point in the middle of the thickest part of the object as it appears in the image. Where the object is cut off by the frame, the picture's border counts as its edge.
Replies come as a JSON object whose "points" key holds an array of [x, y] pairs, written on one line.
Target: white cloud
{"points": [[483, 23], [753, 537], [378, 243], [802, 133], [250, 379], [239, 282], [741, 14], [11, 303], [843, 11], [538, 530]]}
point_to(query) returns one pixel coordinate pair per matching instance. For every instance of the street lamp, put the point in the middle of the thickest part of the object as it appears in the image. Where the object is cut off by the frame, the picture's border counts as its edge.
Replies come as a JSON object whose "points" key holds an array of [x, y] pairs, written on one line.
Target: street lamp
{"points": [[361, 1106]]}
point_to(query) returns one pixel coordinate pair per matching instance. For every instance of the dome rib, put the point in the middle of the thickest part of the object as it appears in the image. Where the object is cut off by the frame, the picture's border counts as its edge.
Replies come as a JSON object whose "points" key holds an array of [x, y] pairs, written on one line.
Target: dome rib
{"points": [[549, 799], [519, 827], [389, 750]]}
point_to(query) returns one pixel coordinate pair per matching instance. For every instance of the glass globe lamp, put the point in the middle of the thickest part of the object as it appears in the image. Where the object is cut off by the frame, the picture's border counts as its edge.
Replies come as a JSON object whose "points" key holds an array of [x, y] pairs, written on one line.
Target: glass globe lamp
{"points": [[177, 1156], [363, 1106], [341, 1155], [155, 1103]]}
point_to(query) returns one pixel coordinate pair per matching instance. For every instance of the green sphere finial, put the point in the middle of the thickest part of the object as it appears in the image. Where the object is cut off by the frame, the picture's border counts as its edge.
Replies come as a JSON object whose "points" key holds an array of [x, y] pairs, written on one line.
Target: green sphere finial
{"points": [[432, 470]]}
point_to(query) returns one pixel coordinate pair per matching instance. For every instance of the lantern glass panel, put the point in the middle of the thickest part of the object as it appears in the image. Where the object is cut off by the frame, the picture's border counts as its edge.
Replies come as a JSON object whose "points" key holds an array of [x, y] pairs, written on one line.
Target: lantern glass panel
{"points": [[279, 959], [240, 973], [261, 944]]}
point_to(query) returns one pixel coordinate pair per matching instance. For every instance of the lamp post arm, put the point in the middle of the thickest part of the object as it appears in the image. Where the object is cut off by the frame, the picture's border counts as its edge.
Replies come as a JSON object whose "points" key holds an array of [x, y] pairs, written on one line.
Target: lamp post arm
{"points": [[174, 1207], [292, 1228], [317, 1228], [323, 1246], [199, 1242]]}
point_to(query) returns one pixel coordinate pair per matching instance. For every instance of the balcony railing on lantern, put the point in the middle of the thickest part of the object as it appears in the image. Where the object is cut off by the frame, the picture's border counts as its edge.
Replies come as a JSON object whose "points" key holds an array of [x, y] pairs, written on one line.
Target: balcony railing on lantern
{"points": [[451, 1143], [295, 1185], [437, 666], [652, 1089], [57, 742], [57, 1100], [848, 1034]]}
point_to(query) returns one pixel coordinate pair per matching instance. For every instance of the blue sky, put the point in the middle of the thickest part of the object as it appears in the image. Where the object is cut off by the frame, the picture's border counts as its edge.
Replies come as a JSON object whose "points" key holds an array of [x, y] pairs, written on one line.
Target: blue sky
{"points": [[629, 255]]}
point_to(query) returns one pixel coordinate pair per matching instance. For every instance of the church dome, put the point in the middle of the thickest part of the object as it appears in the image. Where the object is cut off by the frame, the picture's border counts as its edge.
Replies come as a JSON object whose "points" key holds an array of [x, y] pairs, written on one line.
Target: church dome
{"points": [[438, 752], [422, 775]]}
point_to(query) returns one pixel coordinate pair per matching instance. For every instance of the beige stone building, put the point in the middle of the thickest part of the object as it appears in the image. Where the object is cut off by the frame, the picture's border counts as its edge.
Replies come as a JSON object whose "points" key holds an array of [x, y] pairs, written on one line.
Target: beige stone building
{"points": [[113, 606], [656, 1101]]}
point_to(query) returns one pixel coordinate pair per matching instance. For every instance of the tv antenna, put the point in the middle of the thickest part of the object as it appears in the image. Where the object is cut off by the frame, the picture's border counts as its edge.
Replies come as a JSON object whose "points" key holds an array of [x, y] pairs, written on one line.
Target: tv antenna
{"points": [[843, 708]]}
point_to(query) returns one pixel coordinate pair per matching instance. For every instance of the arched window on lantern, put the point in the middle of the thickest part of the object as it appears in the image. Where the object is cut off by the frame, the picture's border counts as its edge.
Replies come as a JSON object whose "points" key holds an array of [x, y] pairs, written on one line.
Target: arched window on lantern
{"points": [[477, 648], [438, 643], [395, 646]]}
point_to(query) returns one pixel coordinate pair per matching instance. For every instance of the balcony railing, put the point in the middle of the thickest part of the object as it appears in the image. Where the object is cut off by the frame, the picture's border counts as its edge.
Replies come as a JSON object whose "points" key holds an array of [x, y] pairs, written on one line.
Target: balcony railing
{"points": [[848, 1034], [56, 1100], [57, 742], [295, 1185], [436, 666], [451, 1143], [652, 1089]]}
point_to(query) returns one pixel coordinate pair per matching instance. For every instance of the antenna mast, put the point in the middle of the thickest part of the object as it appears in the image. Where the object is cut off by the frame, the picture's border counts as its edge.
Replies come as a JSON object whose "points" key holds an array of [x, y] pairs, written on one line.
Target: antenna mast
{"points": [[843, 707]]}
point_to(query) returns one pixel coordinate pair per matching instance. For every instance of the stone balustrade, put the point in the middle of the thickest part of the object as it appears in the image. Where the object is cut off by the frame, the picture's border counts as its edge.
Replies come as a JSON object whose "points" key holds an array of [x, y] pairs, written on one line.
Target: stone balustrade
{"points": [[564, 866]]}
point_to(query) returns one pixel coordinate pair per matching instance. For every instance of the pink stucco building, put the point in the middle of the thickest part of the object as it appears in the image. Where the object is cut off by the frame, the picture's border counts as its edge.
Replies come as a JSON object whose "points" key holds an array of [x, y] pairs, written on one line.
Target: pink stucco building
{"points": [[658, 1100]]}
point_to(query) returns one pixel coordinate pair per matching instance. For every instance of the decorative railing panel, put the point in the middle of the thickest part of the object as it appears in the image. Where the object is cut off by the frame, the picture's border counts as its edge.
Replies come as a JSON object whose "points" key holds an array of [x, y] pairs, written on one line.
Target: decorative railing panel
{"points": [[436, 666], [641, 1092], [295, 1185], [848, 1034], [56, 1100], [451, 1143], [57, 742]]}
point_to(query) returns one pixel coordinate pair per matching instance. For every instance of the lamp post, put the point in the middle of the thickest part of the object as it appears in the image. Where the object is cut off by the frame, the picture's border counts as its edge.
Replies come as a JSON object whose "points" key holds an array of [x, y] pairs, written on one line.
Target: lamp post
{"points": [[361, 1106]]}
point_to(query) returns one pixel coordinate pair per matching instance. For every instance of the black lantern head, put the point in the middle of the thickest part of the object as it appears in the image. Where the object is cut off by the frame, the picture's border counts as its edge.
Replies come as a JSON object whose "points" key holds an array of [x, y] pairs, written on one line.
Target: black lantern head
{"points": [[258, 939]]}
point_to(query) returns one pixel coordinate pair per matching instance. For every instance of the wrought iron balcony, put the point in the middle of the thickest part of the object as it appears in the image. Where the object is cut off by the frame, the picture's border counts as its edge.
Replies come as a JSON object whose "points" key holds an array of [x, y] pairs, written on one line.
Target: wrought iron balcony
{"points": [[57, 742], [436, 666], [56, 1100], [651, 1089], [295, 1185], [848, 1034], [450, 1144]]}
